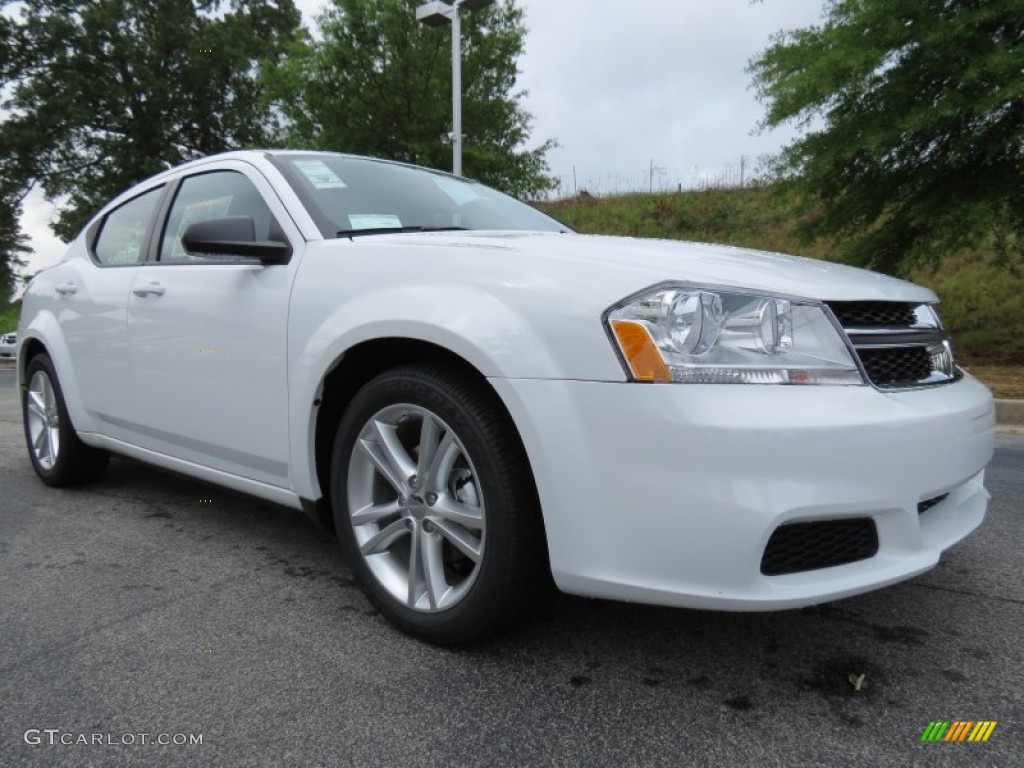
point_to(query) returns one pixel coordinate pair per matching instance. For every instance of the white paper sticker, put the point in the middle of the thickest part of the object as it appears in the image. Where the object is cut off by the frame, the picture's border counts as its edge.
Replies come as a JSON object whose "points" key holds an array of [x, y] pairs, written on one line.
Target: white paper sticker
{"points": [[319, 175], [199, 211], [459, 191], [374, 221]]}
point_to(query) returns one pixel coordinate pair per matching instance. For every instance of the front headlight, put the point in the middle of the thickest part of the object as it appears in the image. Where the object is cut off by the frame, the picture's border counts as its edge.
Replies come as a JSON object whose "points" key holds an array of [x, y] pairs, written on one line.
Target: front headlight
{"points": [[701, 335]]}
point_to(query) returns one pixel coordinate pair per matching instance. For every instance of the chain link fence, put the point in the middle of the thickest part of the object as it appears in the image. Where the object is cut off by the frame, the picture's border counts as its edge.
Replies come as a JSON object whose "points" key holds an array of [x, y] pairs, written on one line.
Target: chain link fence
{"points": [[654, 178]]}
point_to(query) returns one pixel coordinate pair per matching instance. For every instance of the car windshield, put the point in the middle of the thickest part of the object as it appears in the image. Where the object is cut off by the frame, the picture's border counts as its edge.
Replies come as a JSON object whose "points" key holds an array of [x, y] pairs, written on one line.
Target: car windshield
{"points": [[350, 196]]}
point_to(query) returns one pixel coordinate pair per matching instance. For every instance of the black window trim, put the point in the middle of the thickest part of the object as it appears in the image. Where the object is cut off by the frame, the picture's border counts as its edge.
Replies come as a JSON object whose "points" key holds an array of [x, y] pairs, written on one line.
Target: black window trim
{"points": [[153, 247], [95, 230]]}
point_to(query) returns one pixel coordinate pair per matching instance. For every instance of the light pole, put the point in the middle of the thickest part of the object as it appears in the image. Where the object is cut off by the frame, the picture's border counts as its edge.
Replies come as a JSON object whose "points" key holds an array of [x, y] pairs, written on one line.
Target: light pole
{"points": [[438, 13]]}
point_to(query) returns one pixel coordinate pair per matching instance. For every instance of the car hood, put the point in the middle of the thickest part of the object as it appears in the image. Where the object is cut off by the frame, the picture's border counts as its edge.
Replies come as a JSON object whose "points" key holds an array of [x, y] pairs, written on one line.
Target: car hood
{"points": [[627, 265]]}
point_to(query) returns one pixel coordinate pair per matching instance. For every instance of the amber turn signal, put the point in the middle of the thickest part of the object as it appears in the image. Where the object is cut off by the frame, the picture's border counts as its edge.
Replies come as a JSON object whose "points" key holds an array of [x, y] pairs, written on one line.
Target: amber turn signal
{"points": [[638, 347]]}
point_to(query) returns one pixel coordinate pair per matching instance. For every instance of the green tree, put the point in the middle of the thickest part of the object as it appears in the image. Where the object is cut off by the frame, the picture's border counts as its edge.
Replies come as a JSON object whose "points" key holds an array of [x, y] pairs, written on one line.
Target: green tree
{"points": [[99, 94], [913, 124], [12, 248], [376, 82]]}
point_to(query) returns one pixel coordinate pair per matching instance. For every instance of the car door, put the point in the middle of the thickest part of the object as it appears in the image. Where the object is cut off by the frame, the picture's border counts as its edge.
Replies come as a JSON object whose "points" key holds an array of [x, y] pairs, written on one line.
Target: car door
{"points": [[93, 296], [207, 337]]}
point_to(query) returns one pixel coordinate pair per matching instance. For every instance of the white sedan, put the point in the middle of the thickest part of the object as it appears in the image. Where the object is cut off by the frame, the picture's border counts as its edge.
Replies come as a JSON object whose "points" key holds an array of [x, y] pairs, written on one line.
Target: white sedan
{"points": [[477, 399], [8, 345]]}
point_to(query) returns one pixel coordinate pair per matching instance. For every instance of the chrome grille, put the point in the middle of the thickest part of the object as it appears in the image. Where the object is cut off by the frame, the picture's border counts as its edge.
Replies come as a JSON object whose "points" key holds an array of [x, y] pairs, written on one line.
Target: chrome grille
{"points": [[900, 345], [897, 367], [873, 314]]}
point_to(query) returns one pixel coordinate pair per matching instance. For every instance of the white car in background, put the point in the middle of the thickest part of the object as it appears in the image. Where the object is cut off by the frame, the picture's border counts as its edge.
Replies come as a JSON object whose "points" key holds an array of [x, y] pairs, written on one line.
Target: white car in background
{"points": [[8, 345], [476, 398]]}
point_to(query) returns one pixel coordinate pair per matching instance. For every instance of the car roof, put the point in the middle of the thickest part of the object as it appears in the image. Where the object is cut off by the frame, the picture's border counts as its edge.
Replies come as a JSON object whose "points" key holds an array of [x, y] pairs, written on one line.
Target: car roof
{"points": [[253, 156]]}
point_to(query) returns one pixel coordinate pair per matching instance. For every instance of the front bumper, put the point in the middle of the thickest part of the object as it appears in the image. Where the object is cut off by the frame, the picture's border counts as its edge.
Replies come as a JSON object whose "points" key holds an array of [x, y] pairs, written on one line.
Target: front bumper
{"points": [[668, 493]]}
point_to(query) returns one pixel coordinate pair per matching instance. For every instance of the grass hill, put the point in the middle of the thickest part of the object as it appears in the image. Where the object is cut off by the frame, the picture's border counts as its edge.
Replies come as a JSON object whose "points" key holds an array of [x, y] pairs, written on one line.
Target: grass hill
{"points": [[982, 303]]}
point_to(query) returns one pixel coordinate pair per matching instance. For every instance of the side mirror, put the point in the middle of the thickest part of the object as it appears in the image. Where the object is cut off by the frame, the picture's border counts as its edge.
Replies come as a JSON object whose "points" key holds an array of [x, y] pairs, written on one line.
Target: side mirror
{"points": [[233, 236]]}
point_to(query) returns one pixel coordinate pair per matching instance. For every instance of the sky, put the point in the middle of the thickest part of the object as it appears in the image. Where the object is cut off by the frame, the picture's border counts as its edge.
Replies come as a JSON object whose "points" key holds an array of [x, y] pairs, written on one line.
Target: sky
{"points": [[636, 92]]}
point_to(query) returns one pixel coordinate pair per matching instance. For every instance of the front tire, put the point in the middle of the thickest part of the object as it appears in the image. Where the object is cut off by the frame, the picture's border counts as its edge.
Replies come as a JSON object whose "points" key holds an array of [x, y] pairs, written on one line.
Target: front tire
{"points": [[58, 456], [435, 506]]}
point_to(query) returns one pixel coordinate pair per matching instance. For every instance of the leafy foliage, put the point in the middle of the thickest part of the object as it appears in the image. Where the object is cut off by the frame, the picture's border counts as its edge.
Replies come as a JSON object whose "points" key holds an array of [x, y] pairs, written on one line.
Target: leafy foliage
{"points": [[103, 93], [12, 246], [377, 83], [914, 124]]}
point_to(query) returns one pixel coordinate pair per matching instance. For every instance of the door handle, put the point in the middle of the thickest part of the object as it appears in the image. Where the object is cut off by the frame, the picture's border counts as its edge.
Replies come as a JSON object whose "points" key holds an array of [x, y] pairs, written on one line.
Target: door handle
{"points": [[154, 288], [66, 289]]}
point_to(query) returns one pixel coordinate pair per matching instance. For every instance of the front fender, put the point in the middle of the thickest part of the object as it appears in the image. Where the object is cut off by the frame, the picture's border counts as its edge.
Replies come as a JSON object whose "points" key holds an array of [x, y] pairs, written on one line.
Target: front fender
{"points": [[471, 323]]}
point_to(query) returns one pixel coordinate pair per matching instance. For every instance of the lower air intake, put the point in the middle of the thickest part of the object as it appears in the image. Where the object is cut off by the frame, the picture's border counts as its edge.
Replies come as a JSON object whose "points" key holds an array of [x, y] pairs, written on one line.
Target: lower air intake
{"points": [[924, 506], [798, 547]]}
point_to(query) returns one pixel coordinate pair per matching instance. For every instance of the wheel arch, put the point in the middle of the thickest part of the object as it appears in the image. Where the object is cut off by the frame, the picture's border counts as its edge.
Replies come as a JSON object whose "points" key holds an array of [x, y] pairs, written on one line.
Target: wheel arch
{"points": [[351, 371], [44, 336], [29, 349]]}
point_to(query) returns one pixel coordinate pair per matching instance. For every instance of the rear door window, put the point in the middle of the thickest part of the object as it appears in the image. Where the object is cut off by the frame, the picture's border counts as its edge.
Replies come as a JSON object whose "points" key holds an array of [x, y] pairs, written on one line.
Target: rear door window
{"points": [[123, 235]]}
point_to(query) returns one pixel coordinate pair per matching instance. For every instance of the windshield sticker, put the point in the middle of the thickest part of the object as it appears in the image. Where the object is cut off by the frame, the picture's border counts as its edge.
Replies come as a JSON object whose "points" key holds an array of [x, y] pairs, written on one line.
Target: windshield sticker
{"points": [[374, 221], [459, 191], [319, 175], [201, 211]]}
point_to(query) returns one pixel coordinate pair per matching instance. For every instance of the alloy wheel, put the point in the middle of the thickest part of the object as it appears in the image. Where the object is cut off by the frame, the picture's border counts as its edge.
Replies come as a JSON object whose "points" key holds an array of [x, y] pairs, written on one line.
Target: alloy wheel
{"points": [[43, 420], [416, 507]]}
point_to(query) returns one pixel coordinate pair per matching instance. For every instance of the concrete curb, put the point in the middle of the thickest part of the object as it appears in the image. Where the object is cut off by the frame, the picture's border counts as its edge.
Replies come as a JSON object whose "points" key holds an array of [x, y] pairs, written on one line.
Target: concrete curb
{"points": [[1009, 413]]}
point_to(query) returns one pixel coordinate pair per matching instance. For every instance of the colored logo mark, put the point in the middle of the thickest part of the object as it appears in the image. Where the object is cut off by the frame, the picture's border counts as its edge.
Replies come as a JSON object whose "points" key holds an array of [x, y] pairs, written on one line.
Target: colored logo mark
{"points": [[958, 730]]}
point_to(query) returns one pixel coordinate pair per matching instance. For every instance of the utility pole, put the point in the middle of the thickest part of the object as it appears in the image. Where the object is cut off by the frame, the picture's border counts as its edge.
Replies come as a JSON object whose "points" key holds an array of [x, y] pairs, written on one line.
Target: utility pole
{"points": [[438, 13], [456, 91]]}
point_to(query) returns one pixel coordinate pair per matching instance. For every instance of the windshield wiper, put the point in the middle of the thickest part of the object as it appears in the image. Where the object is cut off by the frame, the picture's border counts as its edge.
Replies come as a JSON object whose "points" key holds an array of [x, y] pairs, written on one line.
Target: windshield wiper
{"points": [[350, 233]]}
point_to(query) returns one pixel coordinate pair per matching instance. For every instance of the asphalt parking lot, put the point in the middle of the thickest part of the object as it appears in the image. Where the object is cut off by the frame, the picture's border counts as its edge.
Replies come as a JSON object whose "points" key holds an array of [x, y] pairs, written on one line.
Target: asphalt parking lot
{"points": [[152, 604]]}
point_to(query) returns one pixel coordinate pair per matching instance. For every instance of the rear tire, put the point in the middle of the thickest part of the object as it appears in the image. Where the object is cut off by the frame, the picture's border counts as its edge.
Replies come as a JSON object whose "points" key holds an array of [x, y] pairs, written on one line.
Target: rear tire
{"points": [[435, 506], [58, 456]]}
